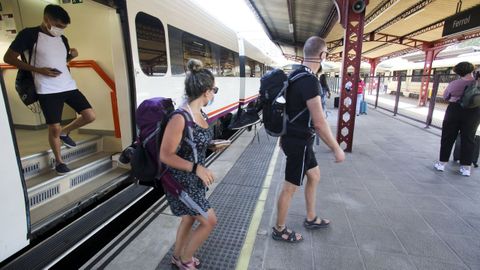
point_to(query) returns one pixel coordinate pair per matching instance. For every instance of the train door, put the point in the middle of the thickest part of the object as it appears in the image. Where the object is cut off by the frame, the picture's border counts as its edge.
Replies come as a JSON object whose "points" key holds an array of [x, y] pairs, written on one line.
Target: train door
{"points": [[14, 227], [100, 73], [148, 38]]}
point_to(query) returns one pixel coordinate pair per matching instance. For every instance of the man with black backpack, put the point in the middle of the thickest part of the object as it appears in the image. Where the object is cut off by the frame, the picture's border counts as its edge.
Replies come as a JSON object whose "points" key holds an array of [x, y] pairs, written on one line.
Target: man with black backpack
{"points": [[297, 143], [48, 54]]}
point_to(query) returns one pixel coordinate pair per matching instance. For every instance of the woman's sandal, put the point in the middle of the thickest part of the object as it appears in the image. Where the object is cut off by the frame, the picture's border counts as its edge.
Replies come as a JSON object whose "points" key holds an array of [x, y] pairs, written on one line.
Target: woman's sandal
{"points": [[313, 225], [291, 236], [176, 261]]}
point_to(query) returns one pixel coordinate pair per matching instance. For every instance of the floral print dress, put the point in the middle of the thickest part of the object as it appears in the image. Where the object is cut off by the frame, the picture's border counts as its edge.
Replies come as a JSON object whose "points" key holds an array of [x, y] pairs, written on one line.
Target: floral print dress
{"points": [[190, 182]]}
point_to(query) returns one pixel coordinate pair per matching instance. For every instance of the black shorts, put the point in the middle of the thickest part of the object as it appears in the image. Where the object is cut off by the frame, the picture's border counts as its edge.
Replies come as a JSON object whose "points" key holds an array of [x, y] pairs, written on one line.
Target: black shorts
{"points": [[52, 104], [300, 159]]}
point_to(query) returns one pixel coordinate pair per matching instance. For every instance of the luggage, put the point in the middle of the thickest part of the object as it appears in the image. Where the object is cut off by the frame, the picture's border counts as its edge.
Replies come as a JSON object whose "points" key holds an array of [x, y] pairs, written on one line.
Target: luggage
{"points": [[476, 150], [336, 102], [363, 107], [471, 96], [272, 95], [152, 116]]}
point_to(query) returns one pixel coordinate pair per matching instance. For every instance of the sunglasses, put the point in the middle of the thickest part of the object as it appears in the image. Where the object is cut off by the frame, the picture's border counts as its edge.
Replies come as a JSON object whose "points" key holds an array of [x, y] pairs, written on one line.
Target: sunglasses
{"points": [[215, 90]]}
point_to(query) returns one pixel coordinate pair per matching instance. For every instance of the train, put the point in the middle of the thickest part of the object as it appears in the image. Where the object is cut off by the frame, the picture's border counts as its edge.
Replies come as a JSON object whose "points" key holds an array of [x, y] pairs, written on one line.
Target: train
{"points": [[129, 51]]}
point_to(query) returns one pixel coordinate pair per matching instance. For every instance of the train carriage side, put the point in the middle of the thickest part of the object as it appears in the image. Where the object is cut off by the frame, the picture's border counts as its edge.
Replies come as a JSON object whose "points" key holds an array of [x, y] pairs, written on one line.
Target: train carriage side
{"points": [[185, 32], [148, 62]]}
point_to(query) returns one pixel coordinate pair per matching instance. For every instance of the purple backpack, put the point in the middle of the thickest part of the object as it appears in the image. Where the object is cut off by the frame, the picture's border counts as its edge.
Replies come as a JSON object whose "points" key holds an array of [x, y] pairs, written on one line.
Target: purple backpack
{"points": [[152, 117]]}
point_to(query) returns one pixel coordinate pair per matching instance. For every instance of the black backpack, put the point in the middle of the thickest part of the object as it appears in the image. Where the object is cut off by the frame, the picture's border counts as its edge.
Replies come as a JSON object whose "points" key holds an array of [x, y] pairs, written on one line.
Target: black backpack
{"points": [[471, 96], [273, 92]]}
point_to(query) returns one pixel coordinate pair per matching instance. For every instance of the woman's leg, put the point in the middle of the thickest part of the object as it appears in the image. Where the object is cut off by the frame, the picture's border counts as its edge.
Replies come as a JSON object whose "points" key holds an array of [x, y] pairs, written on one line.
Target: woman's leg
{"points": [[470, 121], [200, 234], [183, 235], [450, 128]]}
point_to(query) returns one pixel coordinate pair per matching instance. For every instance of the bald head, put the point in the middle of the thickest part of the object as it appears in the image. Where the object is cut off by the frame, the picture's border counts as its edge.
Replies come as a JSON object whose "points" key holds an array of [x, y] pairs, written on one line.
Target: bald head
{"points": [[313, 46]]}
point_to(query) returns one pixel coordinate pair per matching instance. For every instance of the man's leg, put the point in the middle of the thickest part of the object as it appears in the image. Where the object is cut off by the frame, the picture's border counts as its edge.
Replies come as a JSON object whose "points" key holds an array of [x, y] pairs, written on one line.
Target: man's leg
{"points": [[54, 131], [86, 116], [313, 178], [283, 203]]}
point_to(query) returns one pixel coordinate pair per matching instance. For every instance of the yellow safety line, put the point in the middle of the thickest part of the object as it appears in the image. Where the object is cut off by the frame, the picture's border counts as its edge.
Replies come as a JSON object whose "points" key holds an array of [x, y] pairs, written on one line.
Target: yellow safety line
{"points": [[247, 248]]}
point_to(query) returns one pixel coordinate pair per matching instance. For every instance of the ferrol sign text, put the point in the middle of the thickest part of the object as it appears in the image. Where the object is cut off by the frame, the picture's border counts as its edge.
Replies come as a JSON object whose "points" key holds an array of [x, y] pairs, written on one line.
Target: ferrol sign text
{"points": [[463, 21]]}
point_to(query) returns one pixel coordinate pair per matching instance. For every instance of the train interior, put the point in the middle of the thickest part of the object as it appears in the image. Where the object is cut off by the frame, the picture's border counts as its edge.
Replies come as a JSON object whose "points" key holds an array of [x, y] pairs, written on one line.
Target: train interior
{"points": [[100, 74]]}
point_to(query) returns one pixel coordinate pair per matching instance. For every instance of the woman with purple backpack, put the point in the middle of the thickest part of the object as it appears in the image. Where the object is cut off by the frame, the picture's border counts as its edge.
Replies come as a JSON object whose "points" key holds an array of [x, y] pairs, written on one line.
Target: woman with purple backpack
{"points": [[178, 155]]}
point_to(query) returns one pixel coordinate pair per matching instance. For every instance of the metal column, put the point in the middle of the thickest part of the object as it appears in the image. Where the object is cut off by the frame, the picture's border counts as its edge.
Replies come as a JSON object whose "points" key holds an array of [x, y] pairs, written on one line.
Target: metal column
{"points": [[353, 23], [430, 55], [373, 65]]}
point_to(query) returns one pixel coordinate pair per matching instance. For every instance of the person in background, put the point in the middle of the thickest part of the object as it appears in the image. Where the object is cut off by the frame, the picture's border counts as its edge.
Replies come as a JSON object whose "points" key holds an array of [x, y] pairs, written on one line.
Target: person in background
{"points": [[297, 143], [325, 91], [194, 177], [458, 120], [53, 81], [361, 86]]}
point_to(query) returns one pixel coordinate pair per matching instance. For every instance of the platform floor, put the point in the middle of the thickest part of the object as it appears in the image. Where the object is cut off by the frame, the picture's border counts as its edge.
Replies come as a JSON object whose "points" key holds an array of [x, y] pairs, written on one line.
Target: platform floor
{"points": [[389, 208]]}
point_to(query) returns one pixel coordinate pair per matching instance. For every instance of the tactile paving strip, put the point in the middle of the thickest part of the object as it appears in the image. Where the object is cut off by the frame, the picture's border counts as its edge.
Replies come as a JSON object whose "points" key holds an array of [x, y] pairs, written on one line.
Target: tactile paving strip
{"points": [[234, 201]]}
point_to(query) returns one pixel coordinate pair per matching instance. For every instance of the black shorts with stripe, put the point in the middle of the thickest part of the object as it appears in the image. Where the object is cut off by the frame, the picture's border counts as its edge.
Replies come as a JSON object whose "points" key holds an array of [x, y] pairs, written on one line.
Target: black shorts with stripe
{"points": [[300, 158]]}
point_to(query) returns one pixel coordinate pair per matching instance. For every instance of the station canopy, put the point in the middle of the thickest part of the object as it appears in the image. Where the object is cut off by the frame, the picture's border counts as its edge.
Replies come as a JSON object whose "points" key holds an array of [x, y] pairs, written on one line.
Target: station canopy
{"points": [[392, 27]]}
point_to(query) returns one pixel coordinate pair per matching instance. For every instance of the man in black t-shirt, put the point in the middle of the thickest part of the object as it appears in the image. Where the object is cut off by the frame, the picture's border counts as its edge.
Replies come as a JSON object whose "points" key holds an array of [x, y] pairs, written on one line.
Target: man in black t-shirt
{"points": [[47, 52], [297, 143]]}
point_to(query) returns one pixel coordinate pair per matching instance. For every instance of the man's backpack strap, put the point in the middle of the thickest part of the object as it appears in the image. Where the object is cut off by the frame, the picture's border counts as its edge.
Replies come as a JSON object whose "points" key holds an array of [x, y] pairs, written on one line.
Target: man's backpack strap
{"points": [[291, 80], [67, 46]]}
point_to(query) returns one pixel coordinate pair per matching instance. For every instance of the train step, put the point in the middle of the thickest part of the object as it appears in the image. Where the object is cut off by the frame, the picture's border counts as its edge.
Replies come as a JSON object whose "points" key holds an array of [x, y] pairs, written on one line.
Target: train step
{"points": [[47, 186], [43, 162], [59, 207]]}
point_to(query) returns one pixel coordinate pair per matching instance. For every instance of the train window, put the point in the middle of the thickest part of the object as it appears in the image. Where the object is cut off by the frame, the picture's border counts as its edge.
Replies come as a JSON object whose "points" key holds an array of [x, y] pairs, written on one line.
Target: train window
{"points": [[446, 75], [396, 73], [152, 50], [258, 69], [198, 48], [252, 68], [417, 75], [227, 63]]}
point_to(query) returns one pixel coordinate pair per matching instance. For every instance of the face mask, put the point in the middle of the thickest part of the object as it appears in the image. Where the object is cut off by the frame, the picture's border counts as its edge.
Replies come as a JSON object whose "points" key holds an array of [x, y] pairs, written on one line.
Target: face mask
{"points": [[55, 31], [320, 68], [210, 102]]}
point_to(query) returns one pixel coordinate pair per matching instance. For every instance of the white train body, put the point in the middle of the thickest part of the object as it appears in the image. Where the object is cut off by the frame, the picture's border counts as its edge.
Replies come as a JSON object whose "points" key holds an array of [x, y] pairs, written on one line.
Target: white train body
{"points": [[110, 35]]}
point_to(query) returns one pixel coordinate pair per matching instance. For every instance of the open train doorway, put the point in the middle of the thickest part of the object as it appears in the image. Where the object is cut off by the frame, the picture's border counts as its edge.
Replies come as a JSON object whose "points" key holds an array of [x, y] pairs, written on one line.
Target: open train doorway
{"points": [[100, 74]]}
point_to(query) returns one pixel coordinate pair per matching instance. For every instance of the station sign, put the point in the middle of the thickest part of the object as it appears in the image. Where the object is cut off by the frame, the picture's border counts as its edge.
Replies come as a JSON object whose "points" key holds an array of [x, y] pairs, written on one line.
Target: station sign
{"points": [[463, 21]]}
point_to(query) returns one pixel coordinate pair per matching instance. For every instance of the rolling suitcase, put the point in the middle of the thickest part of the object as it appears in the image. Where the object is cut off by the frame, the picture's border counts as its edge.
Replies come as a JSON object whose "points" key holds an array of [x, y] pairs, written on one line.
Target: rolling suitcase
{"points": [[363, 107], [336, 102], [476, 150]]}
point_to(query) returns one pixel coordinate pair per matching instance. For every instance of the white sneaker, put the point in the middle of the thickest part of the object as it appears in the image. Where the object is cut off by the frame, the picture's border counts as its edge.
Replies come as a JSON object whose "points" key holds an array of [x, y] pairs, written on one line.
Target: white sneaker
{"points": [[439, 166], [465, 171]]}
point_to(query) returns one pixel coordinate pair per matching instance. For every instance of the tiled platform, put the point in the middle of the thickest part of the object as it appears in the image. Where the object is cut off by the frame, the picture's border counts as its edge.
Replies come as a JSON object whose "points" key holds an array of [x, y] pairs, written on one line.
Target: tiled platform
{"points": [[389, 208]]}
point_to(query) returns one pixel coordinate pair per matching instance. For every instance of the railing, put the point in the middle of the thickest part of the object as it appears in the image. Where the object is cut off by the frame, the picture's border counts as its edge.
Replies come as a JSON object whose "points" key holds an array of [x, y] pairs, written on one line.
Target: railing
{"points": [[110, 83], [400, 95]]}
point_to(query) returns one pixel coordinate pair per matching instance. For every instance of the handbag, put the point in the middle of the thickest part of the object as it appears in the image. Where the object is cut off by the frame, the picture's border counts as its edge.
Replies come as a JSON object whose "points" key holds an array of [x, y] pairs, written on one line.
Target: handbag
{"points": [[25, 86]]}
